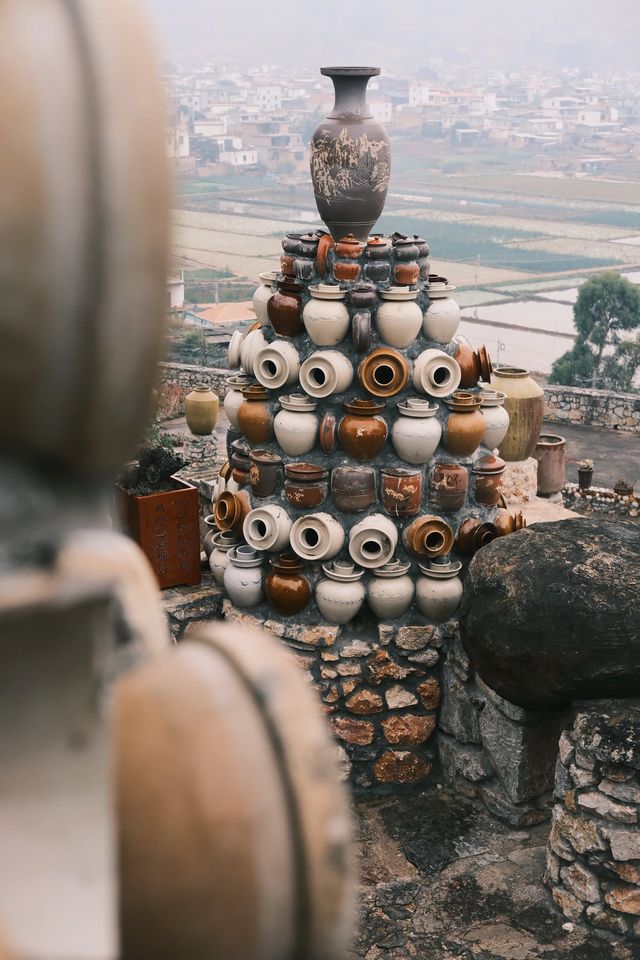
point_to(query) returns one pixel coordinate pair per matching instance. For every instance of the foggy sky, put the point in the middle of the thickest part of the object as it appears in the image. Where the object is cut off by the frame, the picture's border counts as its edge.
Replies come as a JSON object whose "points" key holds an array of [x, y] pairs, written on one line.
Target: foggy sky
{"points": [[401, 34]]}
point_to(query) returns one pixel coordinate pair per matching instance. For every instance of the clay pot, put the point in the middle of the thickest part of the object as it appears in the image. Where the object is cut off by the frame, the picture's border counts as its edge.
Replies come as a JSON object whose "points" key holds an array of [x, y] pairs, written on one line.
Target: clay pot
{"points": [[291, 243], [230, 511], [361, 331], [240, 462], [416, 432], [306, 485], [328, 433], [285, 307], [243, 577], [363, 296], [233, 397], [201, 410], [252, 343], [550, 454], [288, 591], [340, 597], [219, 558], [372, 541], [317, 536], [448, 486], [495, 416], [441, 318], [404, 247], [308, 245], [401, 491], [405, 274], [428, 536], [254, 416], [325, 373], [350, 157], [378, 248], [423, 257], [212, 529], [234, 349], [474, 534], [506, 522], [377, 271], [435, 373], [349, 247], [474, 365], [439, 589], [353, 488], [263, 294], [399, 317], [525, 406], [384, 372], [325, 244], [325, 317], [465, 425], [362, 432], [346, 271], [267, 528], [276, 365], [296, 425], [390, 590], [266, 473], [487, 480]]}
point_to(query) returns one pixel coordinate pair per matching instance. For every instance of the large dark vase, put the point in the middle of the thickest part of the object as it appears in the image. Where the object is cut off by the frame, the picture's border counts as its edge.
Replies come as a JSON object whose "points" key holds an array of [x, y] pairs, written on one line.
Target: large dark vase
{"points": [[350, 157]]}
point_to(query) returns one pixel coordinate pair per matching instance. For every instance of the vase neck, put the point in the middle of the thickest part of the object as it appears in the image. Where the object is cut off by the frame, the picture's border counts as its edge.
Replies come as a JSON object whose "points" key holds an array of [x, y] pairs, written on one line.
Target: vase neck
{"points": [[350, 97]]}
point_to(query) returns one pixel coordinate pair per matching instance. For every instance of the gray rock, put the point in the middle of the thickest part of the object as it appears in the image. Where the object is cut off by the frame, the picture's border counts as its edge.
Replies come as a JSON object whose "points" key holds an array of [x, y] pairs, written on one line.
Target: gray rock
{"points": [[596, 802], [627, 792], [466, 760], [517, 815], [625, 844], [460, 708]]}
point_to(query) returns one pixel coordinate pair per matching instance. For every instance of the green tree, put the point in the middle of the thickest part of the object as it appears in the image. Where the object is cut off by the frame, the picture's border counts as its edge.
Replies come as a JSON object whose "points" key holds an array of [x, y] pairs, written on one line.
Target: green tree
{"points": [[607, 305]]}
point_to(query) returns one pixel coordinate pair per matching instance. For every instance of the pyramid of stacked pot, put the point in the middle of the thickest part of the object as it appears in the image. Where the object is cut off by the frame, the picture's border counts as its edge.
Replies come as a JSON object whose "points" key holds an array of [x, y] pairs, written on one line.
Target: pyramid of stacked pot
{"points": [[361, 443]]}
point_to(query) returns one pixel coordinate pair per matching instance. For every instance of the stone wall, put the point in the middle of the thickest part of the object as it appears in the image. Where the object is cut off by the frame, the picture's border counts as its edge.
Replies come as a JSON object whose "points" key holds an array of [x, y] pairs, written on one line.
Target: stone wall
{"points": [[176, 380], [597, 500], [597, 408]]}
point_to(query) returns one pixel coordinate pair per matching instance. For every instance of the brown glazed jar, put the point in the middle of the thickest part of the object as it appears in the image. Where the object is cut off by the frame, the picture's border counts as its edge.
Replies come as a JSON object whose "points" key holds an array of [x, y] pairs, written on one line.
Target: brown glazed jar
{"points": [[401, 491], [287, 589], [448, 486], [362, 431], [406, 274], [265, 473], [487, 480], [306, 485], [230, 511], [345, 270], [349, 247], [353, 488], [328, 433], [474, 534], [428, 536], [325, 244], [378, 247], [363, 296], [474, 365], [284, 309], [384, 372], [254, 416], [506, 522], [464, 427], [240, 462]]}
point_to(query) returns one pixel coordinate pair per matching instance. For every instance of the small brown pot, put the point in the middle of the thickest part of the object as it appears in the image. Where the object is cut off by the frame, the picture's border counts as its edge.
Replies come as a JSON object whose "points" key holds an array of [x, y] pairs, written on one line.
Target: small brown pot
{"points": [[287, 589], [254, 416], [384, 372], [284, 309], [506, 522], [362, 432], [306, 485], [265, 473], [378, 247], [346, 270], [349, 247], [328, 433], [230, 511], [405, 274], [428, 536], [325, 244], [353, 489], [474, 534], [487, 480], [401, 491], [448, 486], [465, 425], [475, 365]]}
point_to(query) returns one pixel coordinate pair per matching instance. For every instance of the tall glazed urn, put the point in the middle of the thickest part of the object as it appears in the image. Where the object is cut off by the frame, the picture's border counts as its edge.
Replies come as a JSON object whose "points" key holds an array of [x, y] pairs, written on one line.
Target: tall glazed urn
{"points": [[525, 405], [350, 157]]}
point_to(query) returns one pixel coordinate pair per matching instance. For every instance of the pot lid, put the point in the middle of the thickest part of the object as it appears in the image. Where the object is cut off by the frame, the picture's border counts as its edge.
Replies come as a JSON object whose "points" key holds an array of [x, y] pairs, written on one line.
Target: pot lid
{"points": [[327, 291], [417, 407], [492, 398], [305, 471], [394, 568], [269, 276], [287, 563], [255, 392], [245, 556], [463, 403], [489, 464], [378, 240], [341, 570], [365, 408], [298, 401], [398, 293], [515, 373], [265, 456], [441, 568]]}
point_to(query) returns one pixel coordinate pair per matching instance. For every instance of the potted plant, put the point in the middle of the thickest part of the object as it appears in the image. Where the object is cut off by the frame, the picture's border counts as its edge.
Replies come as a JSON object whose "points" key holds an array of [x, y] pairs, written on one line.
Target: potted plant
{"points": [[622, 488], [160, 511], [585, 474]]}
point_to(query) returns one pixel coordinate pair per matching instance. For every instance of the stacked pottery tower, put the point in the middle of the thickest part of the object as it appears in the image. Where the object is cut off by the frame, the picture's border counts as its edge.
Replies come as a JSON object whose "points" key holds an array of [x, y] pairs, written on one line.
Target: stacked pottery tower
{"points": [[362, 474]]}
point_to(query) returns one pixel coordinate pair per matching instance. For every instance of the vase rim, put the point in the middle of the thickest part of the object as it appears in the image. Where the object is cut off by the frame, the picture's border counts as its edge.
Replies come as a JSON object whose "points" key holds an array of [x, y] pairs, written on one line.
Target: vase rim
{"points": [[350, 71], [509, 371]]}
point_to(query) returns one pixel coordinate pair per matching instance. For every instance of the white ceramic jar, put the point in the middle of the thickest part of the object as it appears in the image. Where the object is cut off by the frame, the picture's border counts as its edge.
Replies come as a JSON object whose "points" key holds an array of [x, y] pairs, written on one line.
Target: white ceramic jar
{"points": [[244, 577], [436, 373], [442, 316], [496, 417], [325, 373], [276, 365], [235, 347], [340, 596], [219, 558], [317, 536], [233, 397], [439, 589], [296, 424], [253, 342], [391, 590], [398, 318], [263, 293], [267, 528], [372, 541], [325, 316], [417, 431]]}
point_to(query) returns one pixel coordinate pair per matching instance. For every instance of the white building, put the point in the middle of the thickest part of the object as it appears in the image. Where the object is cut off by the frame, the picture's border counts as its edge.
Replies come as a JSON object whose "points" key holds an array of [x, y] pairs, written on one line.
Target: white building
{"points": [[419, 93], [175, 292], [381, 109], [239, 158], [177, 143], [215, 127]]}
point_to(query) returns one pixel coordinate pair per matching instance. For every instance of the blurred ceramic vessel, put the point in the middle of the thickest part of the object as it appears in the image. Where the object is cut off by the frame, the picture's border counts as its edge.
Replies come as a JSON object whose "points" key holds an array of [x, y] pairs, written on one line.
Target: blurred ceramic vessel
{"points": [[219, 559], [487, 480], [474, 534], [233, 397], [201, 408], [252, 343], [525, 405], [442, 317], [266, 473]]}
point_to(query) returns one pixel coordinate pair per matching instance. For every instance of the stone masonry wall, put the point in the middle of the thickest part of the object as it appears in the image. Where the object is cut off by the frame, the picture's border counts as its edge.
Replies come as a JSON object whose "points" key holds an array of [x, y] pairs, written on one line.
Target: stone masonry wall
{"points": [[176, 380], [597, 408]]}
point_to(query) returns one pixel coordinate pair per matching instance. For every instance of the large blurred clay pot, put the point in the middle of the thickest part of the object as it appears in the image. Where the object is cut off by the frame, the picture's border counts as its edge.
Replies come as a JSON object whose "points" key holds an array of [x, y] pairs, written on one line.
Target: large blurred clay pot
{"points": [[525, 406], [350, 157]]}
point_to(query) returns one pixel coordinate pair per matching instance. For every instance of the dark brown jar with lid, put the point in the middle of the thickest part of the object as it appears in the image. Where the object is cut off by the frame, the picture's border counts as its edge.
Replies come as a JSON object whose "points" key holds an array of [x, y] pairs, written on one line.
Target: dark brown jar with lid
{"points": [[448, 486], [353, 489], [266, 473], [284, 309], [306, 485], [254, 415], [362, 431], [287, 589]]}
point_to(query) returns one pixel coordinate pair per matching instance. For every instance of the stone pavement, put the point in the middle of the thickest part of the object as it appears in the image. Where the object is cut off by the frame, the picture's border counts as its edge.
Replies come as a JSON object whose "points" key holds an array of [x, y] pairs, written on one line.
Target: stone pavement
{"points": [[441, 880]]}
